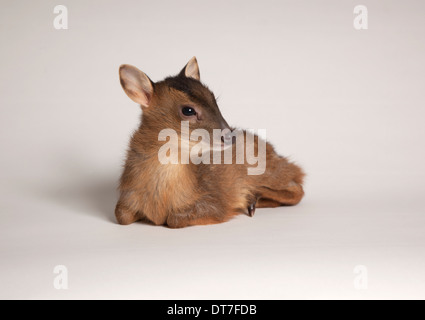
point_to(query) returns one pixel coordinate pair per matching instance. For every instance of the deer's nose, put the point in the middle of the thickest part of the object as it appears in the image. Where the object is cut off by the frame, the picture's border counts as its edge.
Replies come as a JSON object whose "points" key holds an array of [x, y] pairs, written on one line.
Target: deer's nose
{"points": [[227, 136]]}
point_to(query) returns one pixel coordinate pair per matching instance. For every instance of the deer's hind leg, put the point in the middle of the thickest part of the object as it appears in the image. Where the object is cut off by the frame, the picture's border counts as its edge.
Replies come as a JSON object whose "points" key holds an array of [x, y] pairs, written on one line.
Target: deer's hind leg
{"points": [[270, 198], [280, 185]]}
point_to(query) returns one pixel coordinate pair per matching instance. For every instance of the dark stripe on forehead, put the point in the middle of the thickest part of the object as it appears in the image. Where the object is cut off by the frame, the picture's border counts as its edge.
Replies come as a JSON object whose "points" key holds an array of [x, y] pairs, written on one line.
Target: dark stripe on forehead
{"points": [[193, 88]]}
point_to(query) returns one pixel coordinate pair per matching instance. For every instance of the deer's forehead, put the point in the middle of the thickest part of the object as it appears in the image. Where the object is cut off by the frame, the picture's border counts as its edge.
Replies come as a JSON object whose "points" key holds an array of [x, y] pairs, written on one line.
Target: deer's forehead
{"points": [[191, 90]]}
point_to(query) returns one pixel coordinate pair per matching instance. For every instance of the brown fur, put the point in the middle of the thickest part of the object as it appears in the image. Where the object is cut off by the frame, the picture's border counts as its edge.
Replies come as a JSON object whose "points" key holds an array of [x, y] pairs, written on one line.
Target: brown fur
{"points": [[180, 195]]}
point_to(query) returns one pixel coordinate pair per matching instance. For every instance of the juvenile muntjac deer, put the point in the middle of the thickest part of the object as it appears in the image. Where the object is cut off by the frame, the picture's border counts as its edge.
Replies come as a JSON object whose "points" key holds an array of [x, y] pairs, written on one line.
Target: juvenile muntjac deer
{"points": [[185, 194]]}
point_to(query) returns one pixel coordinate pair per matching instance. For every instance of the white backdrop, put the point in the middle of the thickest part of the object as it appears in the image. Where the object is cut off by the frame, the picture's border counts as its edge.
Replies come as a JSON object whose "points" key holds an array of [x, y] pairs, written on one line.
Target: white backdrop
{"points": [[346, 104]]}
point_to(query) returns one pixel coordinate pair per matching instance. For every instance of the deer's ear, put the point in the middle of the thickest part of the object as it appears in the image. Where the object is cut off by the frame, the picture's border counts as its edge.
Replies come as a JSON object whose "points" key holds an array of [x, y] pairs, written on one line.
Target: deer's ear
{"points": [[191, 70], [136, 84]]}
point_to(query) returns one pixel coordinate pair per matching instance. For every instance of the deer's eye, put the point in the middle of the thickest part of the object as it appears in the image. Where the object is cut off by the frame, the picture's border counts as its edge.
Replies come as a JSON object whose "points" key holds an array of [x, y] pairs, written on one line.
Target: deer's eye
{"points": [[188, 111]]}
